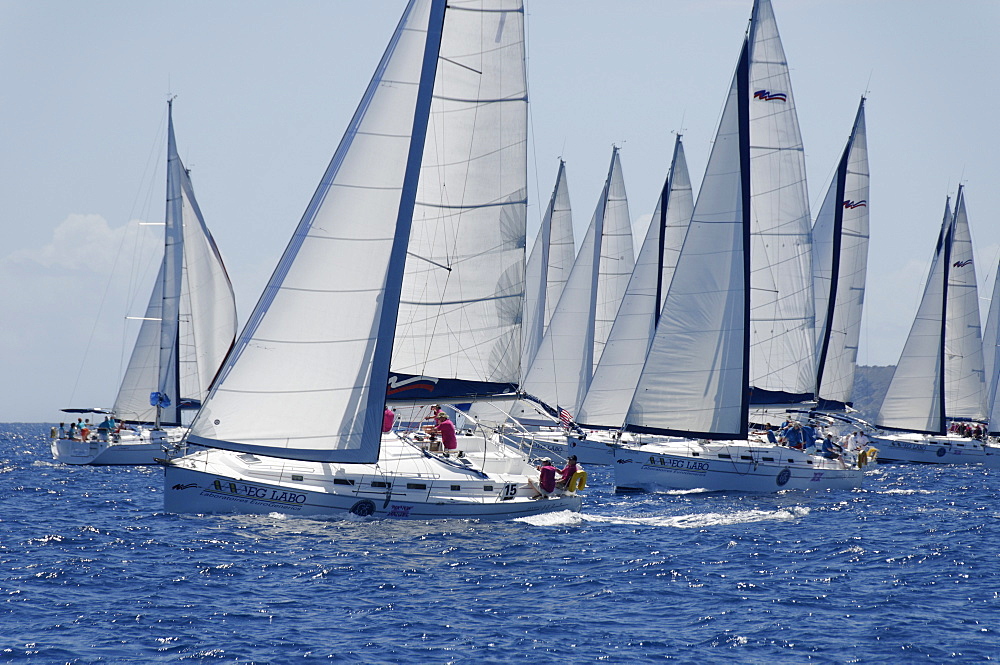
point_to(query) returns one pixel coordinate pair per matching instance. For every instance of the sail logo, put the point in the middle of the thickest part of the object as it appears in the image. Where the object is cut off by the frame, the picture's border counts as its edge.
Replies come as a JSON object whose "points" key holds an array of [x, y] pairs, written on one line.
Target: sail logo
{"points": [[768, 96], [397, 385], [851, 205], [961, 264]]}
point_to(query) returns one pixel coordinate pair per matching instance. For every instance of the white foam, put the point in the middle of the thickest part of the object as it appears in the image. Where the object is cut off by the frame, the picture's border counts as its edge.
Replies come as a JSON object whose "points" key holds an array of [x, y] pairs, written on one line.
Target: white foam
{"points": [[699, 520], [560, 518]]}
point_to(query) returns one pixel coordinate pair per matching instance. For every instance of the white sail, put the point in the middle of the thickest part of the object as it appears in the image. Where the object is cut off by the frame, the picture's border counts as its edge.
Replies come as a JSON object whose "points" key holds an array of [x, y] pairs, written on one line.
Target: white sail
{"points": [[914, 400], [840, 261], [561, 371], [695, 377], [964, 385], [462, 298], [548, 267], [617, 257], [782, 358], [307, 377], [618, 372], [991, 356], [190, 322]]}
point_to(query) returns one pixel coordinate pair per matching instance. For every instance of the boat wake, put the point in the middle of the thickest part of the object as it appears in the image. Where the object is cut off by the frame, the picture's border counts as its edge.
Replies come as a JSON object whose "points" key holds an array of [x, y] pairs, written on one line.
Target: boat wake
{"points": [[692, 521]]}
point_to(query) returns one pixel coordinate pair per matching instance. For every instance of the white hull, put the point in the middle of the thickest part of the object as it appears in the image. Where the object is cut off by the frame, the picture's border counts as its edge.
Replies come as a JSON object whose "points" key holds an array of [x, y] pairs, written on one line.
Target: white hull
{"points": [[407, 483], [992, 456], [925, 449], [126, 449], [728, 466]]}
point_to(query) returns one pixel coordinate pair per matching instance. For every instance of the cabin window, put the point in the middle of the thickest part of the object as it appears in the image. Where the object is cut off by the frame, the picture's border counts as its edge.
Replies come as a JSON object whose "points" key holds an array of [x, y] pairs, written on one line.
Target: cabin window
{"points": [[725, 456], [343, 481], [487, 488], [416, 486], [379, 483], [456, 488], [768, 459], [745, 457], [296, 476]]}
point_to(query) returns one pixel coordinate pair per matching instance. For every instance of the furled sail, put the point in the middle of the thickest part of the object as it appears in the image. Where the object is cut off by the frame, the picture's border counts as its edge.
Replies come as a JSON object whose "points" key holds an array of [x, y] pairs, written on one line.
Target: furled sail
{"points": [[624, 354], [190, 322], [548, 267], [840, 261], [694, 382], [782, 357], [307, 377]]}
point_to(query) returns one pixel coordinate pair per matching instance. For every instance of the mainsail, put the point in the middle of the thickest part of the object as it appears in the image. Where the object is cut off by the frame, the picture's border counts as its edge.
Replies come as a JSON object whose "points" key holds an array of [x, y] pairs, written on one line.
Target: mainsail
{"points": [[624, 354], [694, 382], [782, 360], [840, 260], [463, 289], [190, 321]]}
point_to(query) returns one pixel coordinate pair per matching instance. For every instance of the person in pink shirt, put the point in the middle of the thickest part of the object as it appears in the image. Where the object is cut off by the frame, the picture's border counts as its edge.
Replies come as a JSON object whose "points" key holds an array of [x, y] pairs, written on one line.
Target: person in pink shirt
{"points": [[546, 479], [567, 472], [446, 429], [388, 419]]}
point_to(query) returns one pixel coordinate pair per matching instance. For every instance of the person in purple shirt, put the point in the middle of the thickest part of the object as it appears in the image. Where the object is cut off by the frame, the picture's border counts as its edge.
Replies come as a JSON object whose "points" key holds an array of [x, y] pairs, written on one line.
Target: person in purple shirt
{"points": [[388, 418], [546, 479], [446, 429]]}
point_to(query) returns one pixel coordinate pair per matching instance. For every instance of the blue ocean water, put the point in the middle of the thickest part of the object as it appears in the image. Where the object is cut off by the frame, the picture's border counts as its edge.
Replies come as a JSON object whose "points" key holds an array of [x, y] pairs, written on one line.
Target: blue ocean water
{"points": [[904, 570]]}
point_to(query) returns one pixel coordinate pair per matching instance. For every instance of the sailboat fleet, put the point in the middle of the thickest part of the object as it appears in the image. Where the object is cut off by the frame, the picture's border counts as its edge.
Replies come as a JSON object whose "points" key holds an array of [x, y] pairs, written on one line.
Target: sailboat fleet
{"points": [[668, 365]]}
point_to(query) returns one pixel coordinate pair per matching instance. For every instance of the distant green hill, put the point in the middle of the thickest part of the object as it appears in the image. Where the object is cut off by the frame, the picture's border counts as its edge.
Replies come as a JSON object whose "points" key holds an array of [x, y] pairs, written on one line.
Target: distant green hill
{"points": [[870, 384]]}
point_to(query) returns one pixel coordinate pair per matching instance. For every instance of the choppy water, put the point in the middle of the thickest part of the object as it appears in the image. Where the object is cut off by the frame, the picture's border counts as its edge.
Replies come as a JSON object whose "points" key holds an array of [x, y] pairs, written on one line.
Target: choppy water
{"points": [[904, 570]]}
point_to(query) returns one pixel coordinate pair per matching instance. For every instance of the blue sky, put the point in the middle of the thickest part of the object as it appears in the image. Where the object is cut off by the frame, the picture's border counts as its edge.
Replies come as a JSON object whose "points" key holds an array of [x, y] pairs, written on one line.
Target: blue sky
{"points": [[264, 92]]}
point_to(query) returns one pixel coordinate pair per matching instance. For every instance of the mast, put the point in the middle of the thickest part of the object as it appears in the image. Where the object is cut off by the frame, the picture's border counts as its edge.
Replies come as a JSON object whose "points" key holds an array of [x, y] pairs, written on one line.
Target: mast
{"points": [[942, 356]]}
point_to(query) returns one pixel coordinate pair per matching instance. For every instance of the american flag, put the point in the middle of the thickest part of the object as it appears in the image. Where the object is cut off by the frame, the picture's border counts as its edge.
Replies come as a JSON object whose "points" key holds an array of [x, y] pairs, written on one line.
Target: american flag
{"points": [[565, 418]]}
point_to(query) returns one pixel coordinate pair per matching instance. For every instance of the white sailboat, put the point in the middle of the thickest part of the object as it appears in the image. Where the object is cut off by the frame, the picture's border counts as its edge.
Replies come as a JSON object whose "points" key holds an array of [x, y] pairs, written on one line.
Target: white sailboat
{"points": [[416, 232], [188, 328], [940, 374], [699, 377]]}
